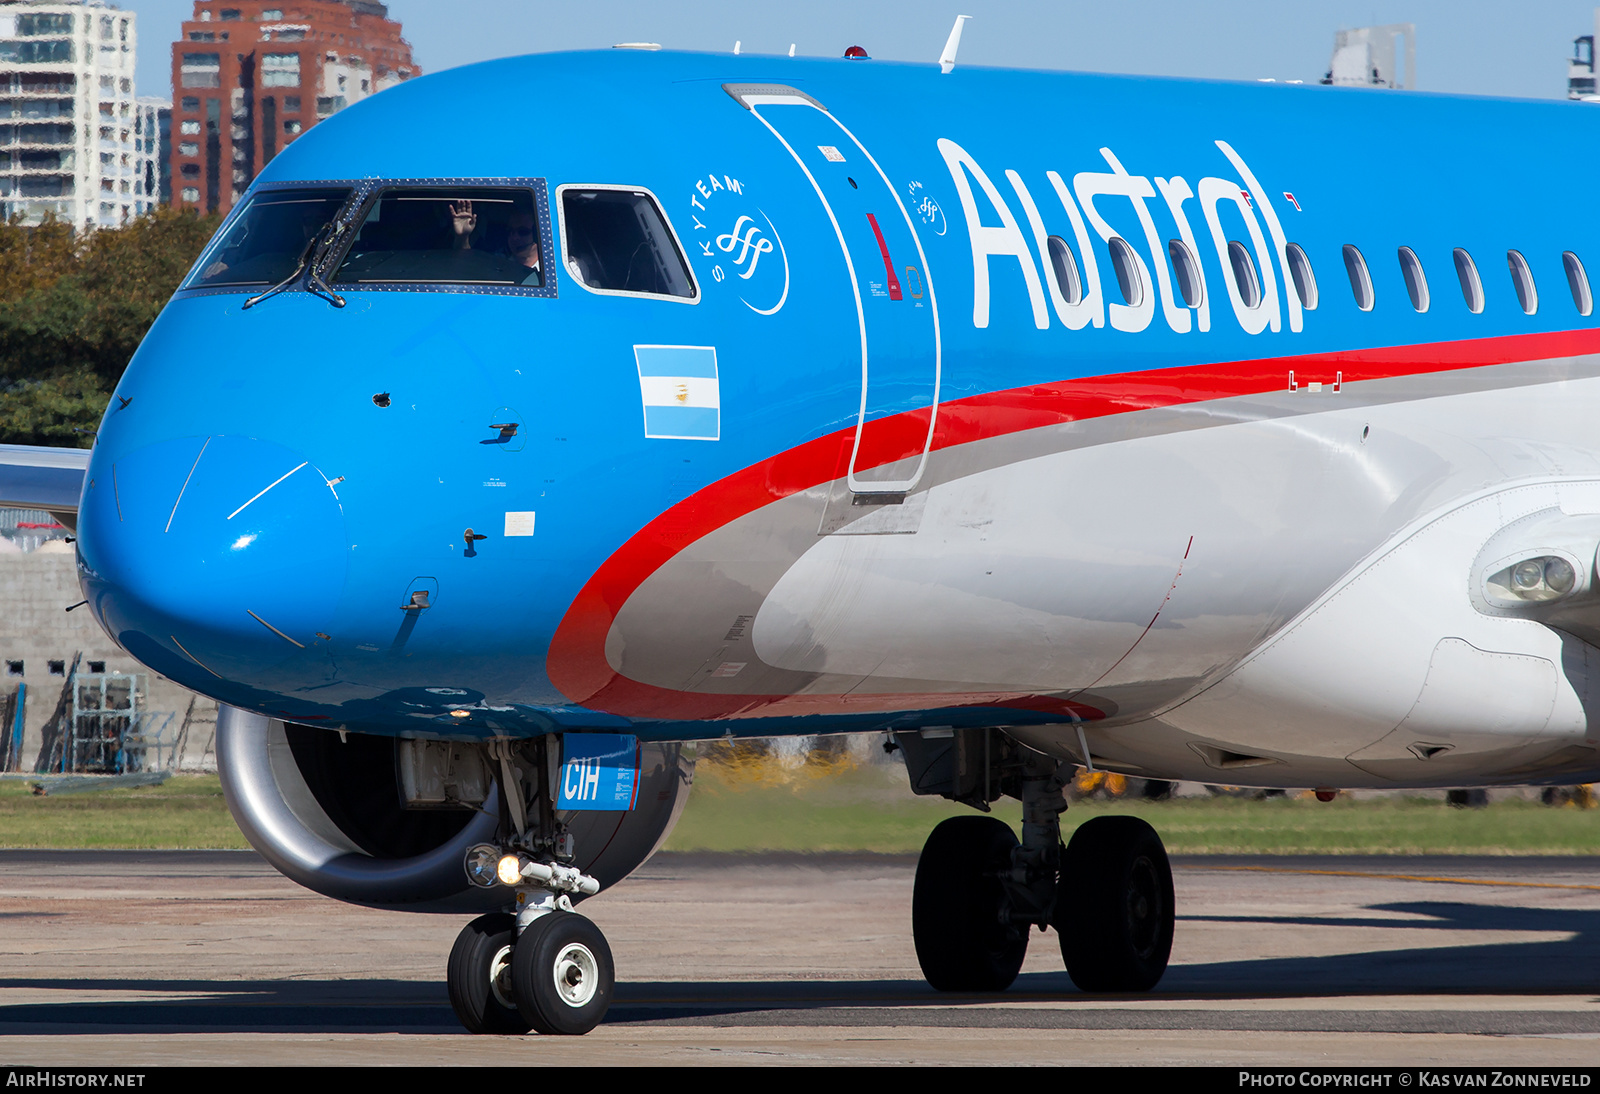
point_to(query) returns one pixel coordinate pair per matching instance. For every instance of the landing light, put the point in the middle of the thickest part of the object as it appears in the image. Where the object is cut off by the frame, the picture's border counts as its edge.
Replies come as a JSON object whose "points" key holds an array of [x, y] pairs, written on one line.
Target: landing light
{"points": [[509, 870], [1537, 579], [482, 862]]}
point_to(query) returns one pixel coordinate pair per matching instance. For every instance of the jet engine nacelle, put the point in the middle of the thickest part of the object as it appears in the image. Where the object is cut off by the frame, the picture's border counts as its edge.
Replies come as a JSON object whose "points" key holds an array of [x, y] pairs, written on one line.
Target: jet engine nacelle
{"points": [[328, 811]]}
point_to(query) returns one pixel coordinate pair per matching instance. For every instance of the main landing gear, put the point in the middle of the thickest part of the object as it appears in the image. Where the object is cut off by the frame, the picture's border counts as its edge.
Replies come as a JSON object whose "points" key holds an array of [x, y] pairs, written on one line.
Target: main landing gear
{"points": [[978, 890], [543, 966]]}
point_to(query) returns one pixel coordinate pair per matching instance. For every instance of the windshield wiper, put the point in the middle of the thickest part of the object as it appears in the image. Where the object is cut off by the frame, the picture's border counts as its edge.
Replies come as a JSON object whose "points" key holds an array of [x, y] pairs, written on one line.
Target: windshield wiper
{"points": [[299, 268], [340, 225], [310, 259]]}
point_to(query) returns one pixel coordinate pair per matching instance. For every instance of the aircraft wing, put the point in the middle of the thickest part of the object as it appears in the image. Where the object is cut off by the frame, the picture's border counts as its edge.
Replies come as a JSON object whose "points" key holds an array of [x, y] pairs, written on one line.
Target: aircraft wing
{"points": [[43, 478]]}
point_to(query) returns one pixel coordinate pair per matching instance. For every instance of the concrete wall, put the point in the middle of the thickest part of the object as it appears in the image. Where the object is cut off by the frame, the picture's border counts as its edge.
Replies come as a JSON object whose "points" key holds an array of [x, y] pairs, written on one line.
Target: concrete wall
{"points": [[35, 587]]}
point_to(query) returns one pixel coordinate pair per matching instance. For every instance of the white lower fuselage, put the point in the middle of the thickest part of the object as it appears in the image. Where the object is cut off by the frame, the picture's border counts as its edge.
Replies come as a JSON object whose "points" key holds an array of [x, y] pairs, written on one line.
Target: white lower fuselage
{"points": [[1271, 590]]}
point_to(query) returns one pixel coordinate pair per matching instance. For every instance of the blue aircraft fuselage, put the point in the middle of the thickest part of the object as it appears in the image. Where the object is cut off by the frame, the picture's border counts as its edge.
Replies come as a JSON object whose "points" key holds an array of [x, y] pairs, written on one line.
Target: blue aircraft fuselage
{"points": [[875, 305]]}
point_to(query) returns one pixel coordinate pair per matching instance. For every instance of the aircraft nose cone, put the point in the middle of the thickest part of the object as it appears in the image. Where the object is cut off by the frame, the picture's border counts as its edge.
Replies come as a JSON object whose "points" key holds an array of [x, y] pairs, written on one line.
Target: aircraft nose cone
{"points": [[226, 553]]}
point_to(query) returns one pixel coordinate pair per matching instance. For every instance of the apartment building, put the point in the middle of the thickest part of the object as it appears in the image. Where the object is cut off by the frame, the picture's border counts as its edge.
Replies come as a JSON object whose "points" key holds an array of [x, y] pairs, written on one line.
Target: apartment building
{"points": [[249, 76], [70, 126]]}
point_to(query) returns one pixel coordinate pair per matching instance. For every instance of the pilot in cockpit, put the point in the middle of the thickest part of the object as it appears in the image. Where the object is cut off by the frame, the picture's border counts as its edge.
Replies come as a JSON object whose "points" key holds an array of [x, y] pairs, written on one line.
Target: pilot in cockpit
{"points": [[521, 243], [522, 240]]}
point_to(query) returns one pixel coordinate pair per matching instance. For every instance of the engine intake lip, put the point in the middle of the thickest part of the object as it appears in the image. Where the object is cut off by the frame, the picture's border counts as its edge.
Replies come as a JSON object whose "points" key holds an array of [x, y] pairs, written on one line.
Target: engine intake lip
{"points": [[267, 797]]}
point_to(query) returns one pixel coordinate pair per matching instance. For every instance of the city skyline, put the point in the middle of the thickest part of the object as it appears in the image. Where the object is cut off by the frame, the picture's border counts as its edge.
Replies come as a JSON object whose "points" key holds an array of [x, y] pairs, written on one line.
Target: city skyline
{"points": [[1469, 47]]}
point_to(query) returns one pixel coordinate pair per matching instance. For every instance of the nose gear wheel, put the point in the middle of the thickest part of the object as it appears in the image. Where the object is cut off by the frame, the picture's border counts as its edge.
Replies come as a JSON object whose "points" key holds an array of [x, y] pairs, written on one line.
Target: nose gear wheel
{"points": [[562, 974], [479, 978]]}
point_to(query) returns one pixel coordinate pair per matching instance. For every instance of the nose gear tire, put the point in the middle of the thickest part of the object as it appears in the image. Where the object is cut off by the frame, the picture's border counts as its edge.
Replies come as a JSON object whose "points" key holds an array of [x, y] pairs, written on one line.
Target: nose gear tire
{"points": [[562, 974], [1114, 906], [479, 976], [958, 905]]}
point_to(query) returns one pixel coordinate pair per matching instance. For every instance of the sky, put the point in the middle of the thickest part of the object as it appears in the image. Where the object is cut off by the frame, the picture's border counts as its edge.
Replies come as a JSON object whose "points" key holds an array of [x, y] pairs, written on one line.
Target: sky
{"points": [[1484, 47]]}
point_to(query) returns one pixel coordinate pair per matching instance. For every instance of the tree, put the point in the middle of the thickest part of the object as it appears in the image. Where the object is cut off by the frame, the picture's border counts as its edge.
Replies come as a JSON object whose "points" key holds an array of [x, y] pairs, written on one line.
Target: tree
{"points": [[74, 308]]}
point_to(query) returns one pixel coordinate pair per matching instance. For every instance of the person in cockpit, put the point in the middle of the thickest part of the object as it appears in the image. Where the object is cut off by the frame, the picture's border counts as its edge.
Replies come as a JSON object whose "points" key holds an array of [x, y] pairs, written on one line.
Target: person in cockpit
{"points": [[521, 243], [522, 240]]}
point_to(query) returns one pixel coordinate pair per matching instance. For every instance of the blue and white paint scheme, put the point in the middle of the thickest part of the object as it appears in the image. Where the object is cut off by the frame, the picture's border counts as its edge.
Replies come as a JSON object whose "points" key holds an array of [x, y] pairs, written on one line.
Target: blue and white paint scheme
{"points": [[976, 404]]}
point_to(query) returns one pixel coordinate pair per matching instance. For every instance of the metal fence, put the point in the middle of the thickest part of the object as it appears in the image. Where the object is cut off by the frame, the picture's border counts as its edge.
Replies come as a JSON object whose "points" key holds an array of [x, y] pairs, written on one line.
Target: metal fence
{"points": [[109, 731]]}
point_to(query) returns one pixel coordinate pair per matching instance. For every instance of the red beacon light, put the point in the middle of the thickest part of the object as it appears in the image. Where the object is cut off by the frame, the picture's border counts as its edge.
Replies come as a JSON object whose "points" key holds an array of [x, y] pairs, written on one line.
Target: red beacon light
{"points": [[858, 53]]}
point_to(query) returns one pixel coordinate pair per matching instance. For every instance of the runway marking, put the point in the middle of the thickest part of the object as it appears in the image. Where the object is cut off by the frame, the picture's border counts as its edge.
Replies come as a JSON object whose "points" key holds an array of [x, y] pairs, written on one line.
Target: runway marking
{"points": [[1399, 877]]}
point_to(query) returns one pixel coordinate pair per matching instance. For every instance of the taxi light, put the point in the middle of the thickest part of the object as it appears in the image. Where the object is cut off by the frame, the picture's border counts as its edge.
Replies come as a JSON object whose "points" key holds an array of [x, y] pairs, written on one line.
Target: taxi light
{"points": [[1558, 575], [510, 870], [482, 862]]}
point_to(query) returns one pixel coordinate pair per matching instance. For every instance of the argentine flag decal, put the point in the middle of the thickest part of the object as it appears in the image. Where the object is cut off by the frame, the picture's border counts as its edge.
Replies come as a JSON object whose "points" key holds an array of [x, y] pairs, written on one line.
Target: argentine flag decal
{"points": [[678, 386]]}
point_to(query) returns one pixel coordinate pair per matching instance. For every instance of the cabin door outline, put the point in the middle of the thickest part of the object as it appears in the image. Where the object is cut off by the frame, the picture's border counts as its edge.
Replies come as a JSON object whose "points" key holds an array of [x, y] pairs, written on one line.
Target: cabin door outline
{"points": [[770, 106]]}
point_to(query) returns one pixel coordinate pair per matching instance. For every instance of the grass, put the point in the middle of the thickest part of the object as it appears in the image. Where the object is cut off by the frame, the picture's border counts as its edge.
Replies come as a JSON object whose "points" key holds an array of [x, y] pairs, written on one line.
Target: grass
{"points": [[870, 809], [837, 807], [186, 811]]}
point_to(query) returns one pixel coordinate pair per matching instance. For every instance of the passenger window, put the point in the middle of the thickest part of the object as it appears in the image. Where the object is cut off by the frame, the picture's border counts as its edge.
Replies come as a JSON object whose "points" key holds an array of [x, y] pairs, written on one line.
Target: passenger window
{"points": [[1578, 282], [1355, 264], [618, 241], [1522, 278], [467, 235], [268, 240], [1471, 284], [1066, 270], [1190, 284], [1416, 280], [1123, 260], [1245, 278], [1305, 281]]}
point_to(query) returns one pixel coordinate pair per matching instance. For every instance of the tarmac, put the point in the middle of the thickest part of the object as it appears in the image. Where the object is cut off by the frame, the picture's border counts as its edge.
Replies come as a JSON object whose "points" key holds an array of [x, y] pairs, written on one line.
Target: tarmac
{"points": [[137, 959]]}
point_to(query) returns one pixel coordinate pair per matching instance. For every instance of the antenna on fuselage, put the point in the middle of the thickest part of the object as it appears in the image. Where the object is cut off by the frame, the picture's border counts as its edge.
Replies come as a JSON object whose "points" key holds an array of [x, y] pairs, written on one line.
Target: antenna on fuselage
{"points": [[736, 46], [947, 59], [791, 49]]}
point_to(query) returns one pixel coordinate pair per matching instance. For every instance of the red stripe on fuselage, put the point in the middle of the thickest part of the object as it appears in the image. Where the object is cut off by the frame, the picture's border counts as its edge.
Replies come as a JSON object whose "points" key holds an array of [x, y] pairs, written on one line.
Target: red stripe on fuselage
{"points": [[577, 662]]}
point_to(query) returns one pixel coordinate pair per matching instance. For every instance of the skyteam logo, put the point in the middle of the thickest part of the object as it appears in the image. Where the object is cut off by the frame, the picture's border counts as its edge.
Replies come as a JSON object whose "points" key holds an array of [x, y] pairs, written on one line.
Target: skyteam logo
{"points": [[736, 244], [746, 237], [678, 387]]}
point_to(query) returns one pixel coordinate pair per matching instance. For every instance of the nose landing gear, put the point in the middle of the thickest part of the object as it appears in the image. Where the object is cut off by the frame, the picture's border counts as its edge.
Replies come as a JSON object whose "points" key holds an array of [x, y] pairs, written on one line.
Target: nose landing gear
{"points": [[540, 965], [556, 977]]}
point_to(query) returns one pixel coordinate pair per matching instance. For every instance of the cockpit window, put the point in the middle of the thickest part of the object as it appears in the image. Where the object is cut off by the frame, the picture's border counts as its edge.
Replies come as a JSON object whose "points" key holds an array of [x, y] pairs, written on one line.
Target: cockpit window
{"points": [[473, 235], [618, 241], [267, 241]]}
